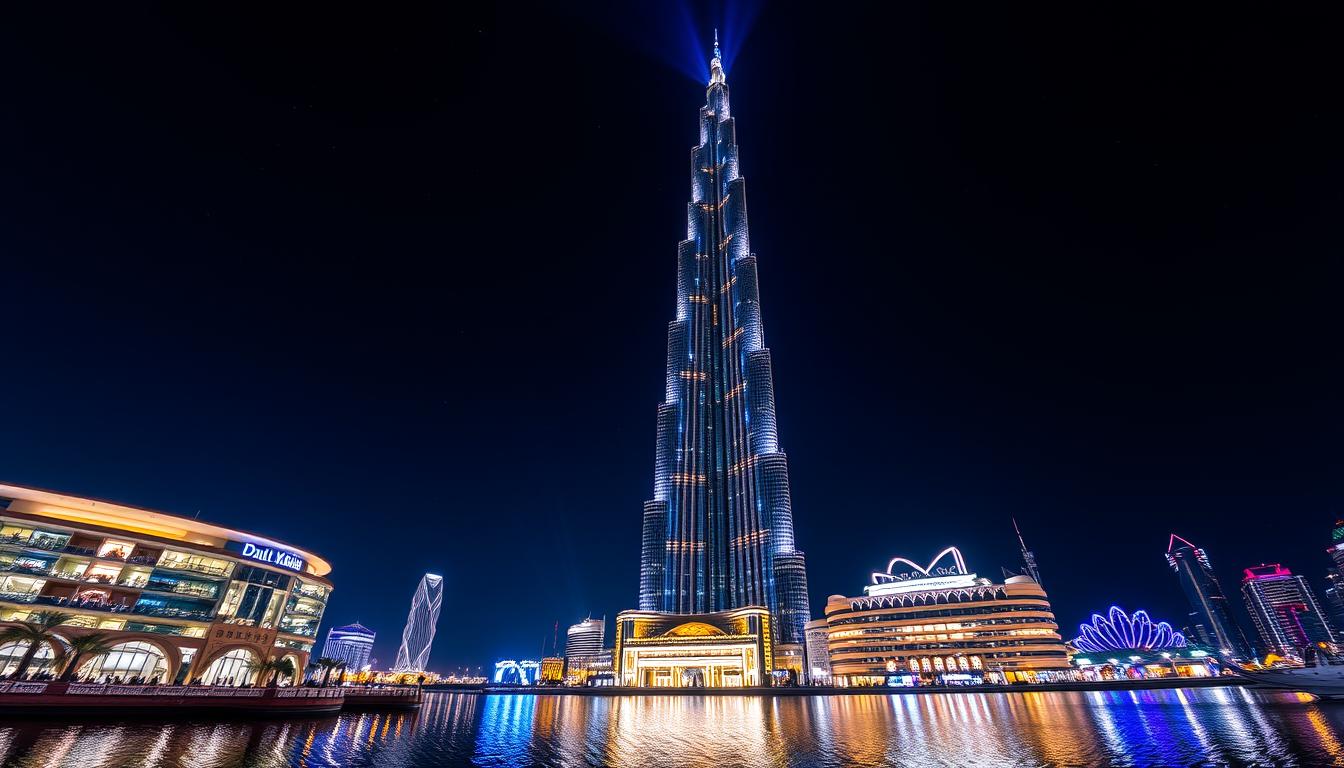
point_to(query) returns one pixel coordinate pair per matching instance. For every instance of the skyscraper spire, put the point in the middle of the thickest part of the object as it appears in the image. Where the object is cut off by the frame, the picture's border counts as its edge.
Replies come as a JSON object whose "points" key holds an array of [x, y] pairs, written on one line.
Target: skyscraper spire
{"points": [[716, 63], [1028, 557]]}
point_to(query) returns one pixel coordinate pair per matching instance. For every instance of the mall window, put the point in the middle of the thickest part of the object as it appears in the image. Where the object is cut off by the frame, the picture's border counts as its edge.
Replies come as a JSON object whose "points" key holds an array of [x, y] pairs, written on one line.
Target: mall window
{"points": [[128, 660], [233, 668], [117, 549], [12, 653], [27, 564], [49, 540], [255, 575], [102, 574], [21, 586], [15, 534], [173, 607], [184, 561], [172, 582]]}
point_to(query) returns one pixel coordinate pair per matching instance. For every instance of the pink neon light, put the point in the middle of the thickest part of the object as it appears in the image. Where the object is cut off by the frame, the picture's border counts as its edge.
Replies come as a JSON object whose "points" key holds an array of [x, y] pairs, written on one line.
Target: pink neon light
{"points": [[1171, 543], [1266, 572]]}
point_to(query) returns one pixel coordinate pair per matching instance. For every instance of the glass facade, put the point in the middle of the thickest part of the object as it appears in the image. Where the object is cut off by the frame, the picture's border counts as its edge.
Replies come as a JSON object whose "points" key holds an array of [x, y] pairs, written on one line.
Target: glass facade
{"points": [[167, 588], [718, 533], [1211, 623], [1285, 610]]}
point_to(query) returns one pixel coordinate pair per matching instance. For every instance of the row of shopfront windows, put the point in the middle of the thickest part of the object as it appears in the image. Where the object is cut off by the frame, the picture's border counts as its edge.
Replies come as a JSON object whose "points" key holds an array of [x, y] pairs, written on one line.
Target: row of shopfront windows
{"points": [[139, 661], [161, 583]]}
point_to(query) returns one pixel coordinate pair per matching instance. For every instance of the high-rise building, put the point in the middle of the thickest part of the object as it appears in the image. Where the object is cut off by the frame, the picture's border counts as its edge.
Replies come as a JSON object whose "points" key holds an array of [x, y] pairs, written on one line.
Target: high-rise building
{"points": [[1210, 620], [1284, 609], [351, 644], [718, 532], [418, 636], [585, 638], [1334, 600], [818, 653]]}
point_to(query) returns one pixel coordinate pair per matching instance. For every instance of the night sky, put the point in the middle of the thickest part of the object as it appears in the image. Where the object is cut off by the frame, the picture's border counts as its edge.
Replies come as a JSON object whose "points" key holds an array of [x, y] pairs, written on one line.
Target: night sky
{"points": [[393, 286]]}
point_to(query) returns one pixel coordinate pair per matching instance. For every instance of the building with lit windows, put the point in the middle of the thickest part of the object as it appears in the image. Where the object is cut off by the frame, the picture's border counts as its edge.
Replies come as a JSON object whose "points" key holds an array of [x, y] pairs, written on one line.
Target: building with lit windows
{"points": [[351, 645], [417, 638], [552, 670], [585, 638], [1284, 610], [1211, 622], [818, 653], [728, 649], [718, 532], [942, 624], [183, 599]]}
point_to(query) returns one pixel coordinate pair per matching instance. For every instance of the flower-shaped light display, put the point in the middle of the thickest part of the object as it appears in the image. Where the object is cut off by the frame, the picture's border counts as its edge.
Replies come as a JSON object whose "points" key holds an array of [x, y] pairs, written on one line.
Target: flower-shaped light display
{"points": [[1120, 631]]}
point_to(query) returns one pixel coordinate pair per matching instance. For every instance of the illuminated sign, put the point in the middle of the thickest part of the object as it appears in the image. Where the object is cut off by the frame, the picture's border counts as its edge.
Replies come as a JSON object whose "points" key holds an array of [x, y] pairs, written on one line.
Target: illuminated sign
{"points": [[268, 555]]}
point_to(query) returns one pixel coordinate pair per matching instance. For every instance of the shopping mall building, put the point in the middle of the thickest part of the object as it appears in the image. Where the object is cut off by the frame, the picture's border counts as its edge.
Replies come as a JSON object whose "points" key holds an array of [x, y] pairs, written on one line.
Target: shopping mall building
{"points": [[182, 599], [941, 624]]}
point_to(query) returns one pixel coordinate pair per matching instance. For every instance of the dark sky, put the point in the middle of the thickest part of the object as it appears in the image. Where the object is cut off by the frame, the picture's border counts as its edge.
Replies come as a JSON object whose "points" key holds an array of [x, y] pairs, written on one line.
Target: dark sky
{"points": [[393, 285]]}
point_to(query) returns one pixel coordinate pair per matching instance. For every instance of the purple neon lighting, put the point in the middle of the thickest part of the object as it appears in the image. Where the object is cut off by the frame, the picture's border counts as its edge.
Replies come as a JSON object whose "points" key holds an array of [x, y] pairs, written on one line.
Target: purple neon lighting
{"points": [[1121, 631]]}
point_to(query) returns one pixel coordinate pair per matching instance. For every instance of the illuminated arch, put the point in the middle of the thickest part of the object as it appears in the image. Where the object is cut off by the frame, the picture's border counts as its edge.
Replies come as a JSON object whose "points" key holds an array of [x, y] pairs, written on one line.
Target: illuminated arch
{"points": [[232, 662], [958, 564], [694, 629], [526, 672]]}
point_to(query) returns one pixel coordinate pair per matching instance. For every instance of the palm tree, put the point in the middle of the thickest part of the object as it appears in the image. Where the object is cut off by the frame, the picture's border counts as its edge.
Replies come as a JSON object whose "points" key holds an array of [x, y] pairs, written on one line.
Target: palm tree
{"points": [[93, 645], [268, 671], [35, 631], [327, 664]]}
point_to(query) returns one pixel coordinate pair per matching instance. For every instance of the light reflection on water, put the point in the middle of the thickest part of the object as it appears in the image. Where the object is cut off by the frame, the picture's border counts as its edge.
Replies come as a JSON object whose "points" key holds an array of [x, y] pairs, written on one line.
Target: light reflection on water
{"points": [[1223, 726]]}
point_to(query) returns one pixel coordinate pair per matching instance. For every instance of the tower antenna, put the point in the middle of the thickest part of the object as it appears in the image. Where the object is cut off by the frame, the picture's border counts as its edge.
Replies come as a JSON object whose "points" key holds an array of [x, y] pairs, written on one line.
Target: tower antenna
{"points": [[716, 44], [1028, 557]]}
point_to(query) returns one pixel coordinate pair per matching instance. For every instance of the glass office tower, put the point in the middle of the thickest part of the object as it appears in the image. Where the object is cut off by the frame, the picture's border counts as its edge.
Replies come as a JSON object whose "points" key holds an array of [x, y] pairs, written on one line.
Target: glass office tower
{"points": [[718, 533], [1211, 622], [1284, 609]]}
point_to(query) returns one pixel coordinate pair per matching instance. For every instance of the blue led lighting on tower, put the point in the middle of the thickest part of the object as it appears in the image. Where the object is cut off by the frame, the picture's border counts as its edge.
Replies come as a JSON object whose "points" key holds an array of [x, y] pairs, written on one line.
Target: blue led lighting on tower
{"points": [[418, 636], [718, 533], [352, 644]]}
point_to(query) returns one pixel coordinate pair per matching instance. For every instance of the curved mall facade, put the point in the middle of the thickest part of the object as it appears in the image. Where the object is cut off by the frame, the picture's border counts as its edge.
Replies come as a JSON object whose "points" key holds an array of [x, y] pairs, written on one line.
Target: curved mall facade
{"points": [[182, 599], [941, 624]]}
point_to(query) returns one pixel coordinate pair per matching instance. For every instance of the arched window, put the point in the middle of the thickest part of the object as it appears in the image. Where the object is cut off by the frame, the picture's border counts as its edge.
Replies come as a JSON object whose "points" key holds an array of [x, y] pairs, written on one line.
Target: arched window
{"points": [[938, 663], [925, 662], [976, 663], [11, 653], [237, 667], [128, 660], [914, 666], [964, 664], [951, 664]]}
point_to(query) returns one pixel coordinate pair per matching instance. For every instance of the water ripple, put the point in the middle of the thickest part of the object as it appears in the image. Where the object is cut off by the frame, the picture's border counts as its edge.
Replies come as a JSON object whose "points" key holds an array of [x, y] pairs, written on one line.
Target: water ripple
{"points": [[1227, 726]]}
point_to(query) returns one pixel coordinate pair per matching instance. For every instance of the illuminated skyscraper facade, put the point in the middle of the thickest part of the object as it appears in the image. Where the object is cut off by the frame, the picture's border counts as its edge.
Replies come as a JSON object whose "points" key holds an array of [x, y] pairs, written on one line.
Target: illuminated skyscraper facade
{"points": [[1210, 621], [418, 636], [718, 533], [351, 644], [1284, 609]]}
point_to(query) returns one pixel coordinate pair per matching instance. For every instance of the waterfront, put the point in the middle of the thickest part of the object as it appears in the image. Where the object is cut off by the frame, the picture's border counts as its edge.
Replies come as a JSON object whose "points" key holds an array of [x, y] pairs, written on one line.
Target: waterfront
{"points": [[1228, 726]]}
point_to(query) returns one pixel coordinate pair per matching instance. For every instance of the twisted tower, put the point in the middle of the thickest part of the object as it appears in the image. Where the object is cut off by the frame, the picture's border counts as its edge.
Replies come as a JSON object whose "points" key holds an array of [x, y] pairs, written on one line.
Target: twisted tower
{"points": [[718, 532]]}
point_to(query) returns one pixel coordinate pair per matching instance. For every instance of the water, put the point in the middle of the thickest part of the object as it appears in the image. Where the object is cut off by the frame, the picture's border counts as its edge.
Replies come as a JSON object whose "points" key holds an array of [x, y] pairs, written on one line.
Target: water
{"points": [[1224, 726]]}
